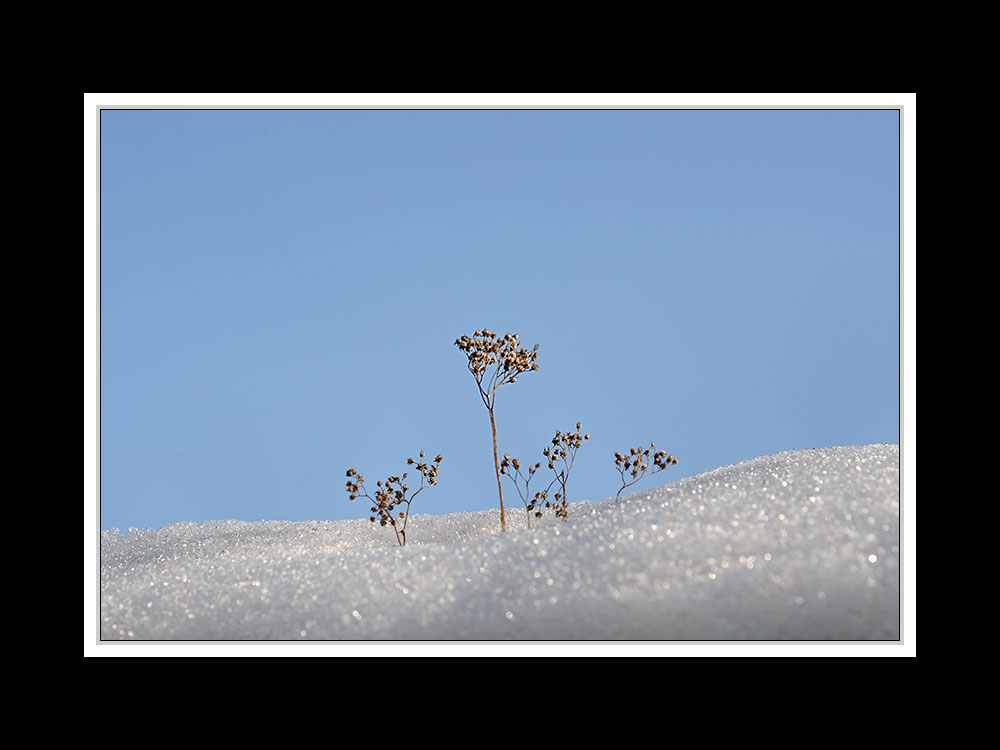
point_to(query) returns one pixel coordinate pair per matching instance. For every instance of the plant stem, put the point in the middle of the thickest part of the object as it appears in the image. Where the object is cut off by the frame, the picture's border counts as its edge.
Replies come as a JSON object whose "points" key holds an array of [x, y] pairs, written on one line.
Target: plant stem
{"points": [[496, 462]]}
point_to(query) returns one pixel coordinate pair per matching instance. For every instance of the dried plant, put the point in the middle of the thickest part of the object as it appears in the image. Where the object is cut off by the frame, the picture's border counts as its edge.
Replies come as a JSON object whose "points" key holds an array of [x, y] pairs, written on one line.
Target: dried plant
{"points": [[493, 362], [520, 479], [392, 494], [561, 455], [636, 463]]}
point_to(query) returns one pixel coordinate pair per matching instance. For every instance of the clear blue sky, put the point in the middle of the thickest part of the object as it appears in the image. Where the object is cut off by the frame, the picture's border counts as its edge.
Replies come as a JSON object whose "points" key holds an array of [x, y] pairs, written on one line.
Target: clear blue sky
{"points": [[281, 292]]}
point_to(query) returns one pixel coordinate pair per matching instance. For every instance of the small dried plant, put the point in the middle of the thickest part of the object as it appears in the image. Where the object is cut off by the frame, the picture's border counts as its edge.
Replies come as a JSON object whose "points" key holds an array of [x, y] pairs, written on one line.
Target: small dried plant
{"points": [[561, 455], [392, 494], [636, 463], [495, 361], [519, 479]]}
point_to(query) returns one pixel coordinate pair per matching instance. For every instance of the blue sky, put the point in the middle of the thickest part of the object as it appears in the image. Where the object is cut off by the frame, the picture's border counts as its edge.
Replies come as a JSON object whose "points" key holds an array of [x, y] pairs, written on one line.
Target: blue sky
{"points": [[280, 292]]}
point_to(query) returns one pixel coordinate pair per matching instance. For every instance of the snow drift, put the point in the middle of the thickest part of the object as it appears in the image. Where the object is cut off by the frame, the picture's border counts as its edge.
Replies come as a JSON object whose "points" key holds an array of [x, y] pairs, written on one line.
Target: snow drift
{"points": [[802, 545]]}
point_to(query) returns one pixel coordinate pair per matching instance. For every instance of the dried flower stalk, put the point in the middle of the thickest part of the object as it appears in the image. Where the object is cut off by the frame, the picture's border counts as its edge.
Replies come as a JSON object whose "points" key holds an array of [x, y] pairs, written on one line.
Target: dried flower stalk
{"points": [[392, 493], [518, 478], [561, 455], [493, 362], [636, 463]]}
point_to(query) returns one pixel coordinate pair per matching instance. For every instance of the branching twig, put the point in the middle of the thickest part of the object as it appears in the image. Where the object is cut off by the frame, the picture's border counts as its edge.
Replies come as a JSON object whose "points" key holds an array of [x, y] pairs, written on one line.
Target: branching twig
{"points": [[392, 494], [518, 478], [637, 463], [561, 456]]}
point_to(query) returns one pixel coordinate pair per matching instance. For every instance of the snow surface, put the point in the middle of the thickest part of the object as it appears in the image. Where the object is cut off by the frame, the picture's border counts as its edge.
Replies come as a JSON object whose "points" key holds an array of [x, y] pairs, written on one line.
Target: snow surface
{"points": [[802, 545]]}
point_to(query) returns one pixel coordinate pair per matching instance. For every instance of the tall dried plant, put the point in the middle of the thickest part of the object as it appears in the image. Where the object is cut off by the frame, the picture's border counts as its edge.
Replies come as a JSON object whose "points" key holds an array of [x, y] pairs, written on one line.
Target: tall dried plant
{"points": [[495, 361], [636, 463], [392, 493]]}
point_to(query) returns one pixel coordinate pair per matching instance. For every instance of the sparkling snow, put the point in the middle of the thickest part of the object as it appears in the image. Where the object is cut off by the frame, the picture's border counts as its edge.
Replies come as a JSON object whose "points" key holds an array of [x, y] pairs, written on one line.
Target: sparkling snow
{"points": [[802, 545]]}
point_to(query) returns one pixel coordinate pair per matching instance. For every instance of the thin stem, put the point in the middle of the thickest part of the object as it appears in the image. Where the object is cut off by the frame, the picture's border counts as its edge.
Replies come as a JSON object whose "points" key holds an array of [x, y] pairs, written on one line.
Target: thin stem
{"points": [[527, 489], [482, 393], [406, 518], [554, 480], [629, 483], [563, 475], [496, 462]]}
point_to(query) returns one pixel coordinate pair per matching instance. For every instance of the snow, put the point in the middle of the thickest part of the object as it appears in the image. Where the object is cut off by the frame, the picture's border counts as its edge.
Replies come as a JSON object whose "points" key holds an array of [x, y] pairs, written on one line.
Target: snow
{"points": [[798, 546]]}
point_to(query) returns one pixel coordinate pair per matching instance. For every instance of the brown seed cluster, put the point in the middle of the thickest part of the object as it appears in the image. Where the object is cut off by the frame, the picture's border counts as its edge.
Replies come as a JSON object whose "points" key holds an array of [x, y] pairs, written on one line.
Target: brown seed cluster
{"points": [[636, 463], [392, 494], [486, 348]]}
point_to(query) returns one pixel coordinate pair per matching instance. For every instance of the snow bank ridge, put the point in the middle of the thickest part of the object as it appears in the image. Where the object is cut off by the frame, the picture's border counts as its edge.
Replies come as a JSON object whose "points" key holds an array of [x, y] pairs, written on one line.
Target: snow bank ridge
{"points": [[802, 545]]}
